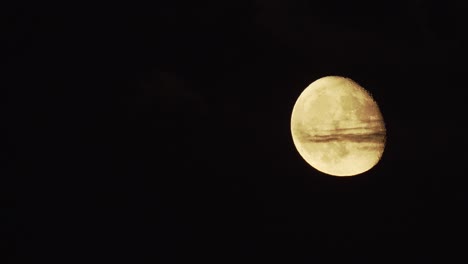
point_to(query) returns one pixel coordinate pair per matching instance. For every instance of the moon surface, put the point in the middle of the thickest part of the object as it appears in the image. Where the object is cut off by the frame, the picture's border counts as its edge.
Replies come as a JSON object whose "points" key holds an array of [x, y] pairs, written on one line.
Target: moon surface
{"points": [[337, 127]]}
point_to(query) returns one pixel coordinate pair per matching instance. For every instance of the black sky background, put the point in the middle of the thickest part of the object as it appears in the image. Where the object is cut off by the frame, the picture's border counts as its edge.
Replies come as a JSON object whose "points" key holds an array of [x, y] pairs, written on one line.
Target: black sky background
{"points": [[160, 133]]}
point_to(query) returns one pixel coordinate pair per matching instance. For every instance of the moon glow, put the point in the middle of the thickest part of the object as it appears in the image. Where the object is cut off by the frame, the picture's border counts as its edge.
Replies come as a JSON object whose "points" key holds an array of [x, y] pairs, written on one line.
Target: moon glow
{"points": [[337, 127]]}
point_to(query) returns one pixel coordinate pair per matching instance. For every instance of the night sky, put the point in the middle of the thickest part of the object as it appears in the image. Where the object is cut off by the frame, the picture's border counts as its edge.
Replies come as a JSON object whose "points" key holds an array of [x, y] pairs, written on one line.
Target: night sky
{"points": [[161, 133]]}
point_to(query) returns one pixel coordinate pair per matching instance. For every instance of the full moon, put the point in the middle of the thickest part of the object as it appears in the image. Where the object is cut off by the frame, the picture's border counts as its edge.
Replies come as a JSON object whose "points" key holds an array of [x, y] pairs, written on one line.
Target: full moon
{"points": [[337, 127]]}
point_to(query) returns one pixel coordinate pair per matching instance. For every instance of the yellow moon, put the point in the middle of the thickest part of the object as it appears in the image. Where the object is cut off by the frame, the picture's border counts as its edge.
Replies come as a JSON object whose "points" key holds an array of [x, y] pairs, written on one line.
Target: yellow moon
{"points": [[337, 127]]}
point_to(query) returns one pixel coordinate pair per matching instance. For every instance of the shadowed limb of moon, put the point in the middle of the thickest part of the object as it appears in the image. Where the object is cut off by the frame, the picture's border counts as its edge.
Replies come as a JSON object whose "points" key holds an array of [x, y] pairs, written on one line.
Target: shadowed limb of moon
{"points": [[337, 127]]}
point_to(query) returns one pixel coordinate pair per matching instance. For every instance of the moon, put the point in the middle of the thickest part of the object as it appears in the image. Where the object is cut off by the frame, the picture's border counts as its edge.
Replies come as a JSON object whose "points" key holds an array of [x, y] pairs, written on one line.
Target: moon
{"points": [[337, 127]]}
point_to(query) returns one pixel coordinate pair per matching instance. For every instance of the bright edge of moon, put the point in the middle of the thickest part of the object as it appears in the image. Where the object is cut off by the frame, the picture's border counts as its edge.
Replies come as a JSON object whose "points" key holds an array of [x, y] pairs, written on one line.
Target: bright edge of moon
{"points": [[337, 127]]}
